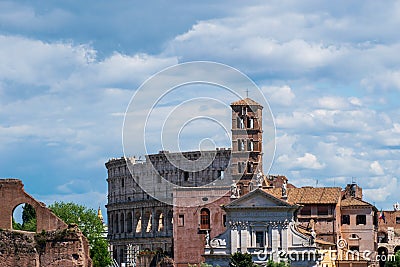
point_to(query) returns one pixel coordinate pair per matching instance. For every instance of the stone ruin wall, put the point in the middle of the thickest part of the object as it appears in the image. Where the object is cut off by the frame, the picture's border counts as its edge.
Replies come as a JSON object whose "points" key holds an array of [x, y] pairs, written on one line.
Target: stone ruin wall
{"points": [[54, 243], [59, 248]]}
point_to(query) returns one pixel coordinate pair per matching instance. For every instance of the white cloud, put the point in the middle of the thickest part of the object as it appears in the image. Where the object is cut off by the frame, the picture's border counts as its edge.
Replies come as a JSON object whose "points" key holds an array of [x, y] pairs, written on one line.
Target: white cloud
{"points": [[389, 79], [384, 188], [35, 62], [314, 60], [330, 102], [376, 168], [309, 161], [282, 95]]}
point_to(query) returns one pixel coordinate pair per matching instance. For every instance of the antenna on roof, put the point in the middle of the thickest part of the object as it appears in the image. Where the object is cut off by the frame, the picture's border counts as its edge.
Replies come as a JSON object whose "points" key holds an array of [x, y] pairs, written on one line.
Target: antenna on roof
{"points": [[247, 93], [316, 182]]}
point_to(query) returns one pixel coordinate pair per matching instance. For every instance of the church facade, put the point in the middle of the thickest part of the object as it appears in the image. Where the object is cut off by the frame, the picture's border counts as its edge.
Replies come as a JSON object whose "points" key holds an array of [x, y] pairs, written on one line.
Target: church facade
{"points": [[264, 226]]}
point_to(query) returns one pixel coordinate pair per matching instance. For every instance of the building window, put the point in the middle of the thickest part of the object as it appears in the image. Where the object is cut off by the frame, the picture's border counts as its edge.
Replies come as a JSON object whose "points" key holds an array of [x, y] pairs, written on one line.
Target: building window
{"points": [[240, 145], [305, 211], [241, 167], [250, 167], [186, 176], [323, 210], [346, 219], [397, 220], [181, 220], [224, 220], [204, 219], [240, 123], [354, 248], [122, 182], [260, 242], [361, 219]]}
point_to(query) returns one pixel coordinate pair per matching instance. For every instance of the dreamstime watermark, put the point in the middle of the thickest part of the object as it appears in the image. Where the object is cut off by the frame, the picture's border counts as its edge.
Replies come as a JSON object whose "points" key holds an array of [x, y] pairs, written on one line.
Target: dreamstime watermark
{"points": [[266, 255], [321, 255], [182, 103]]}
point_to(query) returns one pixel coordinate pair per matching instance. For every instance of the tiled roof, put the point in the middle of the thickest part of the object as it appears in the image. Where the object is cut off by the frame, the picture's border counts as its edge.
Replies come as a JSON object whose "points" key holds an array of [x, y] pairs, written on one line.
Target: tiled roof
{"points": [[309, 195], [351, 201], [245, 102]]}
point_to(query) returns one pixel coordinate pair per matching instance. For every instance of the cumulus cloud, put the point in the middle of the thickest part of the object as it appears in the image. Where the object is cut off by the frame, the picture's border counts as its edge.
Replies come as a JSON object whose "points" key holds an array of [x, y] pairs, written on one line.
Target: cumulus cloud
{"points": [[331, 76], [282, 95], [376, 168]]}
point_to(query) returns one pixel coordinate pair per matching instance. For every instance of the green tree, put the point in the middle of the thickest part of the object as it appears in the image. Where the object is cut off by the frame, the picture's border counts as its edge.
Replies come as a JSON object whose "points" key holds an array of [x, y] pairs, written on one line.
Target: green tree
{"points": [[91, 227], [28, 219], [166, 262], [241, 260], [395, 262], [271, 263]]}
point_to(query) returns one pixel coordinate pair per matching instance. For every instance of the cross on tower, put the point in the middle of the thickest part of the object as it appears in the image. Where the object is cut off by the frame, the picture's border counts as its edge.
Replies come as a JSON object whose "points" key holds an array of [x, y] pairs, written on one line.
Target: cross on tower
{"points": [[247, 93]]}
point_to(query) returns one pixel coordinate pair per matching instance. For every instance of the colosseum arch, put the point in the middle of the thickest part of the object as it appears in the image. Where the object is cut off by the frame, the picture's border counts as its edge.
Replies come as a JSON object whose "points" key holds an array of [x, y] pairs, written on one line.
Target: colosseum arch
{"points": [[13, 194], [129, 222], [159, 220]]}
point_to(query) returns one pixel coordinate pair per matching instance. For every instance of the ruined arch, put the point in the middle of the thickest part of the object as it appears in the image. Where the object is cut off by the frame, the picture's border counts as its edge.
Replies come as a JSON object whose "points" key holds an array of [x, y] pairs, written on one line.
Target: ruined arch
{"points": [[27, 224], [13, 194]]}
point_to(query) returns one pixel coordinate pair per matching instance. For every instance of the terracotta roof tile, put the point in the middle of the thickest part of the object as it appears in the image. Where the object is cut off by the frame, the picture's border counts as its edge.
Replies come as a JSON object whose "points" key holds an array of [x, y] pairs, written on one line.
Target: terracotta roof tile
{"points": [[351, 201], [309, 195], [245, 102]]}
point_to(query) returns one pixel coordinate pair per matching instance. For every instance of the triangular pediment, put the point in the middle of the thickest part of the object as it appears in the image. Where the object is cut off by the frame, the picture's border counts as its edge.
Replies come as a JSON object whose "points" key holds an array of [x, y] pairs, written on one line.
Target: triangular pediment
{"points": [[258, 199]]}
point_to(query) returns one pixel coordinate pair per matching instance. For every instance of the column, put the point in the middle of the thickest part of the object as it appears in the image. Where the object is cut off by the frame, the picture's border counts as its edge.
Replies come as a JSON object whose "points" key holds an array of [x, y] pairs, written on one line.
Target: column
{"points": [[234, 239], [243, 238], [269, 234], [153, 221], [275, 238], [143, 226], [284, 237], [279, 236], [166, 221]]}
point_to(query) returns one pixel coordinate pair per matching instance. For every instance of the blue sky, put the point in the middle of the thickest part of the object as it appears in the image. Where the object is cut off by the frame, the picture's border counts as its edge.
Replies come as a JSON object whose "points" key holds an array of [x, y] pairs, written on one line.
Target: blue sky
{"points": [[330, 71]]}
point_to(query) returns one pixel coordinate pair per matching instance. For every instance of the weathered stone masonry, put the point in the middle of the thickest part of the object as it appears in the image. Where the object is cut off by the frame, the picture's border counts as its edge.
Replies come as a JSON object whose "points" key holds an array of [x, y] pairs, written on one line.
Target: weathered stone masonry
{"points": [[54, 243]]}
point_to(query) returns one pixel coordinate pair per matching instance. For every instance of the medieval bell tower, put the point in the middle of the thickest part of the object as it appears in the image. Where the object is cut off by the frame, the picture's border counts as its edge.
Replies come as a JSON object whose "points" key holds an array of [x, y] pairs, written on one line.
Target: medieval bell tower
{"points": [[247, 153]]}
